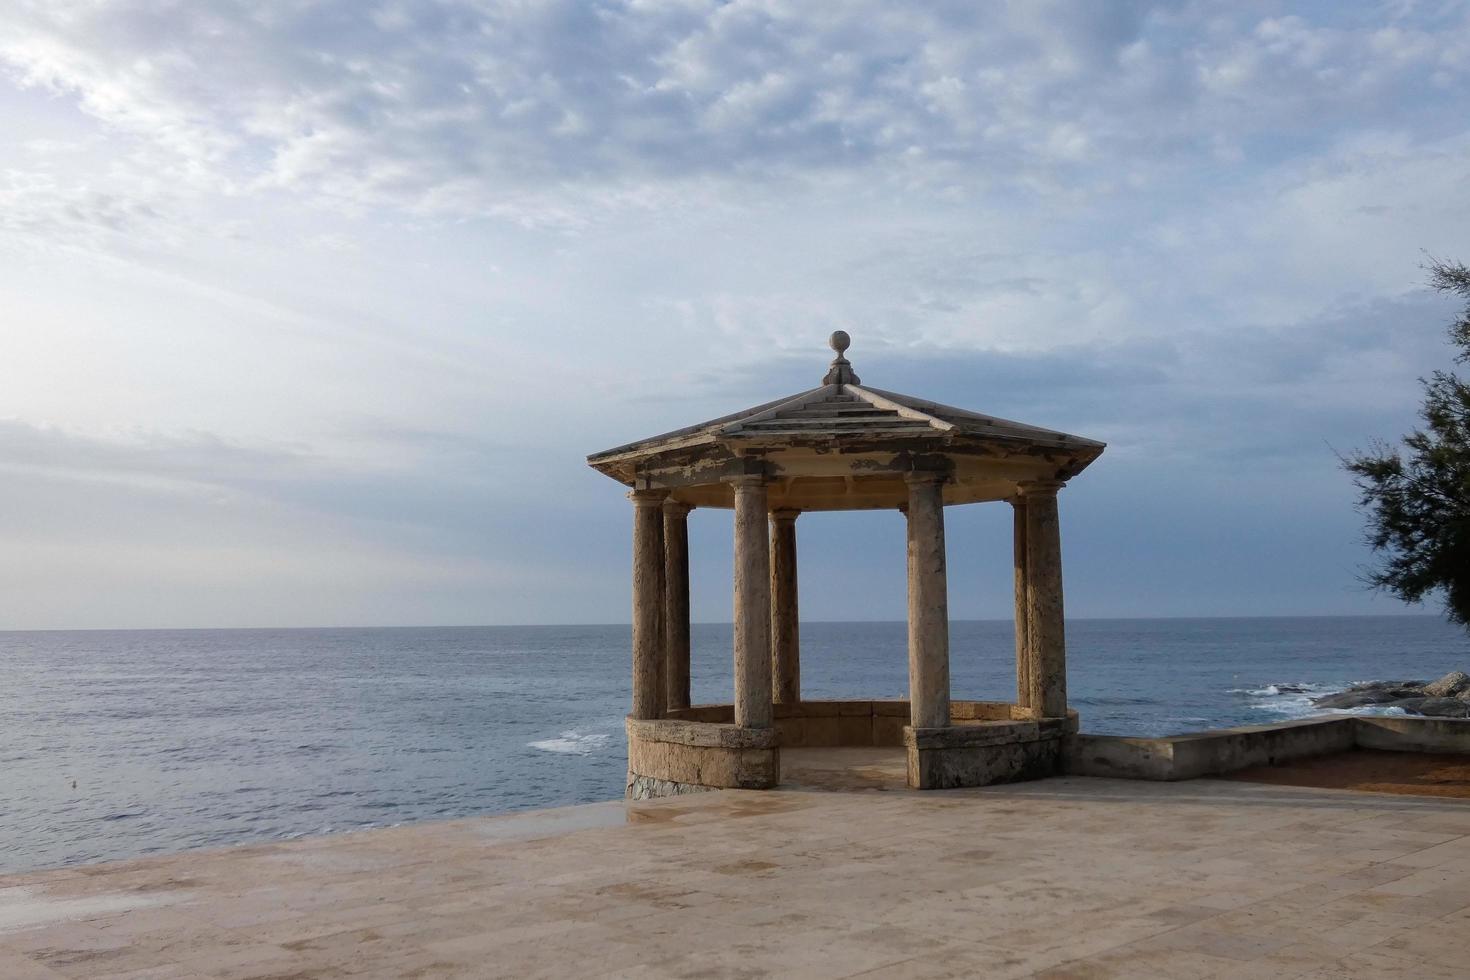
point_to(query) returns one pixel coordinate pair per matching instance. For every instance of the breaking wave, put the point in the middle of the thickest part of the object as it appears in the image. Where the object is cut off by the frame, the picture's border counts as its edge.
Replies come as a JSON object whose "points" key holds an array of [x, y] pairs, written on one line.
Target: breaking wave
{"points": [[1295, 700], [572, 742]]}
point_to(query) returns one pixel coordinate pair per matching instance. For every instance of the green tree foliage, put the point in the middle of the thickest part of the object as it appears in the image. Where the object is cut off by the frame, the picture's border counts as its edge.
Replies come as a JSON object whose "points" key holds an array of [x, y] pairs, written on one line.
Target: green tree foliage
{"points": [[1417, 498]]}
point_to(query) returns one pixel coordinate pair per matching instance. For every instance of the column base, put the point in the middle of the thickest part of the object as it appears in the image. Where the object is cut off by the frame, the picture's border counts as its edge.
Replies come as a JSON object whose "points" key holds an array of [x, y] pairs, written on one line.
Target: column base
{"points": [[667, 753], [985, 753]]}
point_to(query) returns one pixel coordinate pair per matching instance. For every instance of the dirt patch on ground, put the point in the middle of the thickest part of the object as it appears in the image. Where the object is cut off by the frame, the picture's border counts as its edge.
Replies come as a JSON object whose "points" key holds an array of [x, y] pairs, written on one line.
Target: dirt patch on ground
{"points": [[1371, 771]]}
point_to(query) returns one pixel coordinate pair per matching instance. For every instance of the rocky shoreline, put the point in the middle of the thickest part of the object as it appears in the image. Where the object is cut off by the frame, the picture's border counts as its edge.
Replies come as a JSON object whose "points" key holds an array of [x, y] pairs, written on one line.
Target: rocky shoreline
{"points": [[1448, 697]]}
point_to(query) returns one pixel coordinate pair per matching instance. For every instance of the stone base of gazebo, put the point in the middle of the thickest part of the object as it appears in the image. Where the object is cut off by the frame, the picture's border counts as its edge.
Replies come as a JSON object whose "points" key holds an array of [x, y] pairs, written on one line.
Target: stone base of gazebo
{"points": [[701, 748]]}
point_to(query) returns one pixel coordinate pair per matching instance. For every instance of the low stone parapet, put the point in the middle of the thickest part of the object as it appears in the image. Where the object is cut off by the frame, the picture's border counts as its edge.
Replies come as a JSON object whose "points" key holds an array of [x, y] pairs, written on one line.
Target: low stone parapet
{"points": [[1398, 733], [1211, 753], [701, 747]]}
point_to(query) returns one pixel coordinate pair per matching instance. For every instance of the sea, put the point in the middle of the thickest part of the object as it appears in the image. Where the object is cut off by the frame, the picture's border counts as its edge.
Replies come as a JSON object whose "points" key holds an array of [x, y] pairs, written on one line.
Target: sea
{"points": [[115, 744]]}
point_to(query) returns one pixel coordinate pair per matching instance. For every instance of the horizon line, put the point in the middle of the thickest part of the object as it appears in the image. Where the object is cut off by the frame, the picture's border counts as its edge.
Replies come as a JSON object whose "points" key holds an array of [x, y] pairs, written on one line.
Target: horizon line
{"points": [[812, 622]]}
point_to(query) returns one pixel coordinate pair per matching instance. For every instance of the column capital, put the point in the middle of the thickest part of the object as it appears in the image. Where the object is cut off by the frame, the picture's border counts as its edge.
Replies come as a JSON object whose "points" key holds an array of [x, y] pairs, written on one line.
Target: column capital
{"points": [[747, 481], [1038, 487], [647, 498], [785, 514], [676, 508]]}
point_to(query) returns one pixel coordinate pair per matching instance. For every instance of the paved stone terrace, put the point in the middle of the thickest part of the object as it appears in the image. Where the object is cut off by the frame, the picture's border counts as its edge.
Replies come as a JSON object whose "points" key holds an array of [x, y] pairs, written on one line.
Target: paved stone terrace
{"points": [[1063, 878]]}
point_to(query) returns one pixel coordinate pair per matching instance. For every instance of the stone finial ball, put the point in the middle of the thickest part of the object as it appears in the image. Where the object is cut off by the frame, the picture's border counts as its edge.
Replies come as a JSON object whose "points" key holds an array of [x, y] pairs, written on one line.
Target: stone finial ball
{"points": [[840, 341]]}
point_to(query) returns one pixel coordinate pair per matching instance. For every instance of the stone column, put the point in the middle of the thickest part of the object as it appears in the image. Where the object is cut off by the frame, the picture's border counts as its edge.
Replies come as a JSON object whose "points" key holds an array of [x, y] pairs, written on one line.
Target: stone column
{"points": [[1023, 650], [752, 605], [661, 684], [928, 603], [1046, 631], [676, 604], [785, 622], [648, 601]]}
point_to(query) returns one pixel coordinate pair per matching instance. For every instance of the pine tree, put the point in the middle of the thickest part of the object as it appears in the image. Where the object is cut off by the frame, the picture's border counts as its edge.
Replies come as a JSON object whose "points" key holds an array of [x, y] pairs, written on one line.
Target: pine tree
{"points": [[1417, 498]]}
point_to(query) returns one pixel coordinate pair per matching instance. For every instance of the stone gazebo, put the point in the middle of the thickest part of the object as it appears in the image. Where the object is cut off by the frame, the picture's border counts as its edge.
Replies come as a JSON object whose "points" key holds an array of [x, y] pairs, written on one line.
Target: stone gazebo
{"points": [[840, 446]]}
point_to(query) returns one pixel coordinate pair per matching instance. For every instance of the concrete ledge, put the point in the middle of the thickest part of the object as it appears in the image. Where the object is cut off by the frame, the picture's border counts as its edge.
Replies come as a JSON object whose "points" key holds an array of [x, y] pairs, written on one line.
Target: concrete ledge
{"points": [[1399, 733], [1226, 750]]}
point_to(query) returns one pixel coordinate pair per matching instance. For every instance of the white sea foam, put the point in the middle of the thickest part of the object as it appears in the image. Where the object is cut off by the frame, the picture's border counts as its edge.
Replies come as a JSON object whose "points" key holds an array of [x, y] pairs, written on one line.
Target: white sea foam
{"points": [[1287, 690], [572, 742], [1291, 699], [1296, 700]]}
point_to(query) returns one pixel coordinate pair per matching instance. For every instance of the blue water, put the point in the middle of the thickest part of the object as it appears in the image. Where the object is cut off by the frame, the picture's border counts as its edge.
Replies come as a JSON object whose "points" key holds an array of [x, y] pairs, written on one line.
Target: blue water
{"points": [[178, 739]]}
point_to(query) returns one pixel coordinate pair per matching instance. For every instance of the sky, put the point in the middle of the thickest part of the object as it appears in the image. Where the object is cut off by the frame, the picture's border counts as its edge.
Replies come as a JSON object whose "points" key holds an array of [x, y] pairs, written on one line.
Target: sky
{"points": [[310, 312]]}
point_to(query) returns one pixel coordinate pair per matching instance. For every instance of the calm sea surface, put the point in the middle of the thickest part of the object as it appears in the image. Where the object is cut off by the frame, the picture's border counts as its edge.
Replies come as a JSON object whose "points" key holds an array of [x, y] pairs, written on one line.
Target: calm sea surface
{"points": [[115, 744]]}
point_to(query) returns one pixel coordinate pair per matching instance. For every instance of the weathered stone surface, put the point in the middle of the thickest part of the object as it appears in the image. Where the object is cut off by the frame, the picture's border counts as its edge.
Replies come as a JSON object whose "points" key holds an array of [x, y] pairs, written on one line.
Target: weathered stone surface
{"points": [[717, 767], [1449, 685], [676, 604], [680, 749], [986, 711], [973, 734], [1023, 643], [1045, 622], [953, 768], [648, 602], [1211, 753], [785, 615], [888, 730], [1412, 734], [752, 582], [678, 732], [717, 713], [928, 602], [649, 788]]}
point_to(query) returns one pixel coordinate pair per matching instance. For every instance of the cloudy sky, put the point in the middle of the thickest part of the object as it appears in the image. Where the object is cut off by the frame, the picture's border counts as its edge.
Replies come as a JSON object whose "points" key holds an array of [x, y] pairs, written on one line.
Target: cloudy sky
{"points": [[310, 311]]}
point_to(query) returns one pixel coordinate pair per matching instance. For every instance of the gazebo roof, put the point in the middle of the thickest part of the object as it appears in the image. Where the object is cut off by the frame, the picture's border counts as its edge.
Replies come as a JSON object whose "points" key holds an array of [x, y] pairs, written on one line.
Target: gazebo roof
{"points": [[844, 446]]}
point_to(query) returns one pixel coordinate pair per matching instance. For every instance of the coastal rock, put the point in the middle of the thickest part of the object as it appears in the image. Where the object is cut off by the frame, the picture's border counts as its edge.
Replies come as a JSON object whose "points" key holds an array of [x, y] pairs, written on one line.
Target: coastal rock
{"points": [[1448, 697], [1435, 707], [1451, 684], [1378, 692]]}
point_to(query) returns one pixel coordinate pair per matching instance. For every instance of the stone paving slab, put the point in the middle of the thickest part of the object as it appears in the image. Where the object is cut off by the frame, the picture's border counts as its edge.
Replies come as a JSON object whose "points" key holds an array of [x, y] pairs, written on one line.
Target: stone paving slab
{"points": [[1065, 878]]}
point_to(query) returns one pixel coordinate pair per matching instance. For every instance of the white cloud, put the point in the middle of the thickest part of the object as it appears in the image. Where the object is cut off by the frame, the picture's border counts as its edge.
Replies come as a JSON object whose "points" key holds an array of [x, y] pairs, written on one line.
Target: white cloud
{"points": [[484, 106]]}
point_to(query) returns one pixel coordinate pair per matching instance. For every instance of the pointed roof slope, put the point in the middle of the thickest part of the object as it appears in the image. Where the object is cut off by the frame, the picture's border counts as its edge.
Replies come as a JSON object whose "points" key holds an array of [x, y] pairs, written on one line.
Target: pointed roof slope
{"points": [[843, 417]]}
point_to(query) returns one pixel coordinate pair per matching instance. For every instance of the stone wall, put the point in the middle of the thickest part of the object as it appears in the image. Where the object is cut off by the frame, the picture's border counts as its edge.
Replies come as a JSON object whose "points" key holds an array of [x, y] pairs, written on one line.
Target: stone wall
{"points": [[650, 788], [984, 752], [712, 755], [826, 724], [1225, 750], [1409, 734], [987, 742]]}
